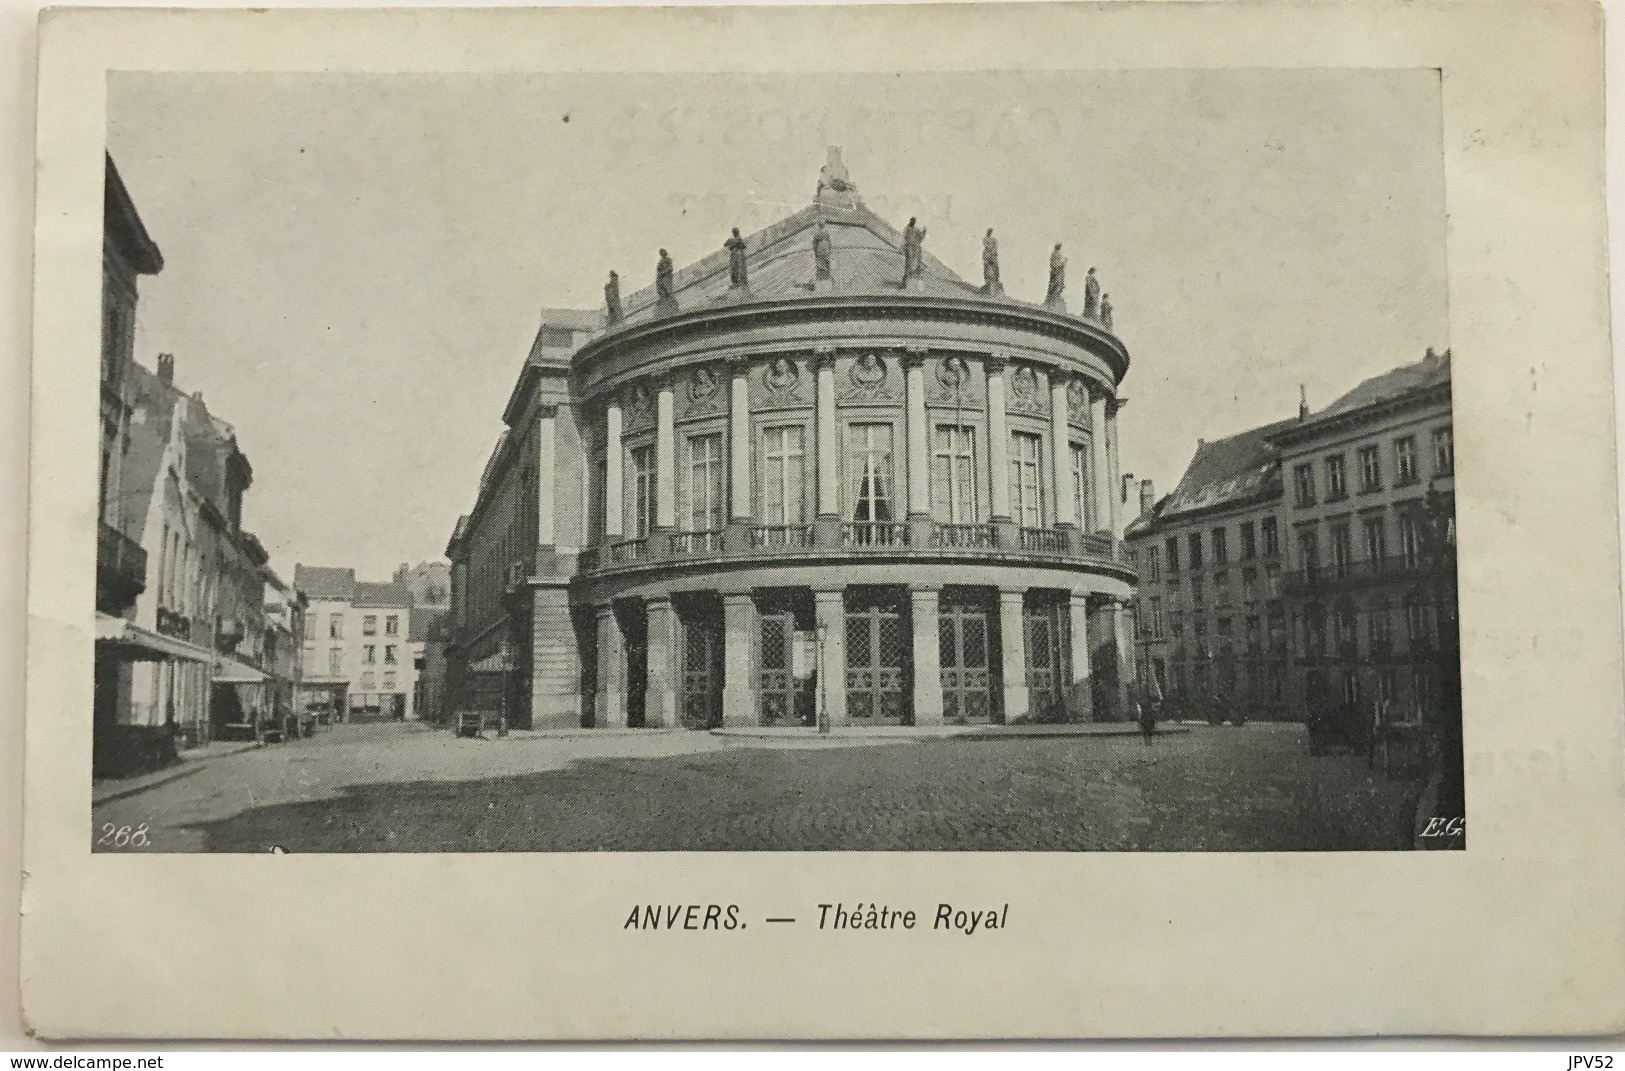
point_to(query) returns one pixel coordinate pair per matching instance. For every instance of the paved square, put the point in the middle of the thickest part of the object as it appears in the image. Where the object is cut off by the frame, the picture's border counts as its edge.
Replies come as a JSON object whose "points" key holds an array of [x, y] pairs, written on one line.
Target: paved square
{"points": [[410, 788]]}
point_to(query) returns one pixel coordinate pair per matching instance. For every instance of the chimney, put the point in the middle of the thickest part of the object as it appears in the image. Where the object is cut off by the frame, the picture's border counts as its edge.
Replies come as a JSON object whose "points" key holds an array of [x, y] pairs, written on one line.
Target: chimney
{"points": [[166, 369], [1148, 497], [1303, 402]]}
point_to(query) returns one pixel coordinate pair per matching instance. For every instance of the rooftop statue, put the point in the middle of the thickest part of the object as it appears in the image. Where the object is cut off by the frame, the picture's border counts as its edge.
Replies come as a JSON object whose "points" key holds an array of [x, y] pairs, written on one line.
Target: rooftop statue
{"points": [[821, 253], [612, 299], [1091, 293], [1106, 312], [665, 290], [913, 250], [990, 264], [735, 246], [1057, 278]]}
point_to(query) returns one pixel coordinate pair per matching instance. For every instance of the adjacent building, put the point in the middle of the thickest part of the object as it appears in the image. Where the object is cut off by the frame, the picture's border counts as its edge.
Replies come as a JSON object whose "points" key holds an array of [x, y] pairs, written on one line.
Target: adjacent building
{"points": [[358, 659], [428, 582], [815, 473], [1304, 565]]}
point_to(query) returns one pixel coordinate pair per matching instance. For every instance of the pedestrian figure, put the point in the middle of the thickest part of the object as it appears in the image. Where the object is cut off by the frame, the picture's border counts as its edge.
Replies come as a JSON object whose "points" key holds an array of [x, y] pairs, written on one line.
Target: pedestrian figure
{"points": [[1148, 720]]}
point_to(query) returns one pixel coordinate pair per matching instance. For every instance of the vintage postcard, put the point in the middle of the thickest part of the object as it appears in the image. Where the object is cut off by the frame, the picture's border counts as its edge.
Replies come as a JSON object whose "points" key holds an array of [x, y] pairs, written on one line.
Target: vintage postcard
{"points": [[1020, 520]]}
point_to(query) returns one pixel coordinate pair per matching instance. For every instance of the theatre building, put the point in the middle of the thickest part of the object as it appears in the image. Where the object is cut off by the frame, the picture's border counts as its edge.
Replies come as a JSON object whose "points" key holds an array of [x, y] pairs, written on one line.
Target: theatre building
{"points": [[814, 472]]}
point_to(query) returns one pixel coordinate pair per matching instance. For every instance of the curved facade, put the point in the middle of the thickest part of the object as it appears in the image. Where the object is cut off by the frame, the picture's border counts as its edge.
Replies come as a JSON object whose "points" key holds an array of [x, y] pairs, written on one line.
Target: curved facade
{"points": [[814, 471]]}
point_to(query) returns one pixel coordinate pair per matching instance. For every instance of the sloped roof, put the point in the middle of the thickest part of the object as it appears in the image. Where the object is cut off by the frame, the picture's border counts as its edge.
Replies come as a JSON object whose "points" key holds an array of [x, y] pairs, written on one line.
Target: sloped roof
{"points": [[324, 582], [866, 257], [390, 594], [1430, 371], [1239, 468]]}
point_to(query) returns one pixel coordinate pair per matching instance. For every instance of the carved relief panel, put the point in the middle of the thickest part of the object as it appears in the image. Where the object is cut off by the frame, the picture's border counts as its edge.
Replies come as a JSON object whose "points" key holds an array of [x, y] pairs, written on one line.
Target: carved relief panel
{"points": [[780, 382], [1028, 392], [871, 377]]}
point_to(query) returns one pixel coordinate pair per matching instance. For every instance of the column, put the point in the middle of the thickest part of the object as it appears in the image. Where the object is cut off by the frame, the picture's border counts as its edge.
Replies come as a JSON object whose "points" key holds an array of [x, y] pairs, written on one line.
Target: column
{"points": [[1066, 513], [740, 509], [1122, 653], [927, 658], [665, 460], [614, 498], [830, 607], [546, 459], [660, 693], [1013, 647], [1080, 698], [1114, 470], [827, 524], [609, 708], [738, 665], [739, 442], [998, 438], [1097, 463], [919, 452]]}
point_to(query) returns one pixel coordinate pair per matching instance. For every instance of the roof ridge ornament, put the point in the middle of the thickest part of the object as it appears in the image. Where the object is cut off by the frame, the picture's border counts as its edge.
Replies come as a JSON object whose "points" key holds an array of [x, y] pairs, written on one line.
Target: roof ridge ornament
{"points": [[835, 185]]}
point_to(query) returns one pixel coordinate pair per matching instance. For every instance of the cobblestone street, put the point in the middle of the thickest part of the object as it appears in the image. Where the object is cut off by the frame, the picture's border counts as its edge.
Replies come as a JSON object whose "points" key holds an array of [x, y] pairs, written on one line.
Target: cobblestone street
{"points": [[409, 788]]}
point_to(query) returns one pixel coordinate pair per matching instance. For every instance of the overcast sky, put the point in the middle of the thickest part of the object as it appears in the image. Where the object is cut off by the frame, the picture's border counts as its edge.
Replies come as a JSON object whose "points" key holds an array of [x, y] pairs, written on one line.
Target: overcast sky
{"points": [[354, 266]]}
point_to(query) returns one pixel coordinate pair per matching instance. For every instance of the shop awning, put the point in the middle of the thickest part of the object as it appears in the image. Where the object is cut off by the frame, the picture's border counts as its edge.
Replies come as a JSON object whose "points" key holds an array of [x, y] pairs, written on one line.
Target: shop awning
{"points": [[496, 663], [144, 645], [232, 671]]}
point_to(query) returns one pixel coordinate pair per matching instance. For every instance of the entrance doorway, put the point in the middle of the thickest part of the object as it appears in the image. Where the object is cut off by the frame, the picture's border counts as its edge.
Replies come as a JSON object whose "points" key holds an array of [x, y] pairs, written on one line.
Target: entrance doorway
{"points": [[700, 686], [635, 634], [1049, 655], [877, 657], [965, 648], [786, 682]]}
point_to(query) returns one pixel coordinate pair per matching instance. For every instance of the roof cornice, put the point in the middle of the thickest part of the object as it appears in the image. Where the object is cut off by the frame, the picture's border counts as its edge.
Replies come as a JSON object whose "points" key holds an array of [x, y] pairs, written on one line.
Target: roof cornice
{"points": [[1318, 425], [902, 306]]}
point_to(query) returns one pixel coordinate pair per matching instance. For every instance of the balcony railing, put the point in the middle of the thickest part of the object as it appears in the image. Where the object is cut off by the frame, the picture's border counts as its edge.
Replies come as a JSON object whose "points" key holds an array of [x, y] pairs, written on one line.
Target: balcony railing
{"points": [[1364, 571], [709, 542], [781, 535], [1045, 541], [874, 534], [967, 536], [628, 550], [927, 540]]}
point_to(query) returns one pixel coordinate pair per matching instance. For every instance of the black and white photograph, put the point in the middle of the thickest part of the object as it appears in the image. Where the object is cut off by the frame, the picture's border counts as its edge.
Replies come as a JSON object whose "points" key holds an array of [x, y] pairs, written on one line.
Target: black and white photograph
{"points": [[1021, 461]]}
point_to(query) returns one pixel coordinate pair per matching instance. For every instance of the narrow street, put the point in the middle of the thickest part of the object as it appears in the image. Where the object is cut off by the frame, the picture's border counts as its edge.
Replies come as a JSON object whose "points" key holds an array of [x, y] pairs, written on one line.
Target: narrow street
{"points": [[410, 788]]}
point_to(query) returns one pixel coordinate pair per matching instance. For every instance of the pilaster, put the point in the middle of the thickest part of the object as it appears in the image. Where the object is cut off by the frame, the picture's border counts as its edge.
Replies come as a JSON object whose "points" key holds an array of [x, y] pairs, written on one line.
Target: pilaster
{"points": [[1013, 649], [830, 610], [739, 705], [927, 658]]}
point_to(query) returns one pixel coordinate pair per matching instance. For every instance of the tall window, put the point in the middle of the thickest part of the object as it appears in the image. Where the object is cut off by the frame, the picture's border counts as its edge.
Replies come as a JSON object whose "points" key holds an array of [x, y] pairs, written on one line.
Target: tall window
{"points": [[784, 458], [1444, 452], [643, 490], [1304, 482], [1405, 460], [1308, 552], [389, 682], [1153, 562], [1171, 546], [392, 625], [369, 654], [953, 474], [1376, 539], [1194, 541], [1410, 541], [335, 627], [1337, 486], [1342, 549], [368, 681], [369, 625], [1079, 454], [389, 654], [1221, 546], [871, 472], [335, 660], [1249, 541], [595, 506], [1370, 469], [707, 503], [1026, 479], [1272, 538]]}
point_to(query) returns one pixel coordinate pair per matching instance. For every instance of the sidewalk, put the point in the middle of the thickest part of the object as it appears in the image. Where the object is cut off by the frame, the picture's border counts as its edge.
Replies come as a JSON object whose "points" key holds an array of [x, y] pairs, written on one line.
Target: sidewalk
{"points": [[190, 762], [923, 732]]}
